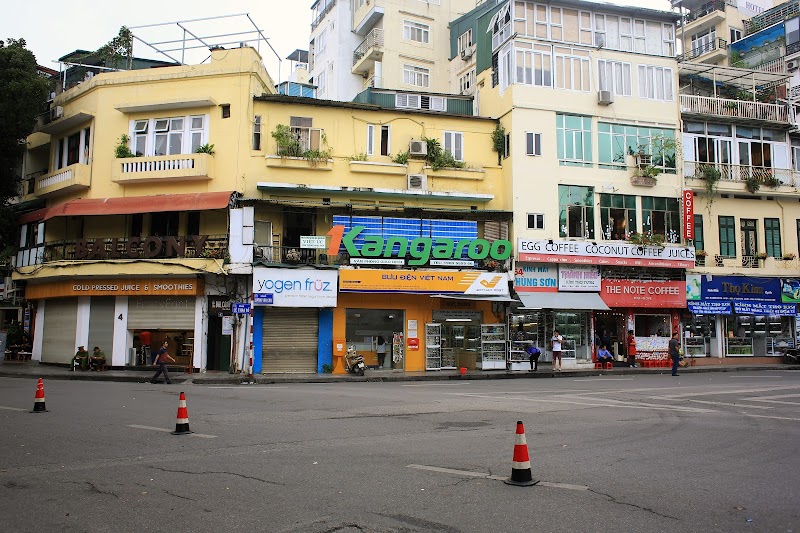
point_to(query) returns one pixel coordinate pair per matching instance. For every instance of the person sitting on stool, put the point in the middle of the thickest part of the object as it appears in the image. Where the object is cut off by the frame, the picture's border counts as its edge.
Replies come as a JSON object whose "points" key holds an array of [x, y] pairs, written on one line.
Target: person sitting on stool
{"points": [[604, 356], [97, 359], [81, 359]]}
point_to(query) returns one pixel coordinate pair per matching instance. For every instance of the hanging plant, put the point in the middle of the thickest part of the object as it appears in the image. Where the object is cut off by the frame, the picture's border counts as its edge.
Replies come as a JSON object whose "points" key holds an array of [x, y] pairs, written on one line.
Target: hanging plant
{"points": [[499, 142], [712, 176], [752, 184], [772, 181]]}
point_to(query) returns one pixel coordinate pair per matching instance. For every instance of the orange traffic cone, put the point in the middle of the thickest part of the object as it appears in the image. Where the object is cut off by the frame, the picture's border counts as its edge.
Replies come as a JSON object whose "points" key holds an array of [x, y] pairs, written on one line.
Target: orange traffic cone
{"points": [[521, 465], [38, 400], [182, 425]]}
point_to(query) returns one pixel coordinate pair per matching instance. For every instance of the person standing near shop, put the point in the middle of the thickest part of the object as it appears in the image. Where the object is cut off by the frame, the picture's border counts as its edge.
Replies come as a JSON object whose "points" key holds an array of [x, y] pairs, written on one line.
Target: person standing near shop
{"points": [[675, 352], [631, 349], [161, 360], [145, 338], [381, 350], [557, 340]]}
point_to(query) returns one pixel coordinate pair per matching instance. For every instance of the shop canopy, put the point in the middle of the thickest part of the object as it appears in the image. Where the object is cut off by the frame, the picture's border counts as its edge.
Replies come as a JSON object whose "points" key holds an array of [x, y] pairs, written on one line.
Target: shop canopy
{"points": [[476, 297], [589, 301], [131, 205]]}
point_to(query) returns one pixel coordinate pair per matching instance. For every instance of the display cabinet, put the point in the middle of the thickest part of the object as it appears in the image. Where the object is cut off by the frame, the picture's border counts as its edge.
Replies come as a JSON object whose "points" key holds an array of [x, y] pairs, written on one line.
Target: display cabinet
{"points": [[493, 347], [433, 346]]}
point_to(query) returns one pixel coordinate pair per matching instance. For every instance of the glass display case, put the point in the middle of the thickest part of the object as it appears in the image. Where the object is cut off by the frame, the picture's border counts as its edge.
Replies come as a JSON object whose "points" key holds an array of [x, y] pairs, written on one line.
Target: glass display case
{"points": [[398, 350], [493, 347], [523, 331], [696, 346], [739, 346], [571, 326], [433, 346]]}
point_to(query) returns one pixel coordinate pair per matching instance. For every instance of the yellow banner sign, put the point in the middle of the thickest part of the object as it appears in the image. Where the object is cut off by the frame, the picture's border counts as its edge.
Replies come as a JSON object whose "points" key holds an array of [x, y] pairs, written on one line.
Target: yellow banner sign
{"points": [[116, 287], [424, 281]]}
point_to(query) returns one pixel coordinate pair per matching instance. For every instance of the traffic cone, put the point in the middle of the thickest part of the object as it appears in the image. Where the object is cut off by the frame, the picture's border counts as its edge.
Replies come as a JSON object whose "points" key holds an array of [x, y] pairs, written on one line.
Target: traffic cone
{"points": [[38, 400], [521, 465], [182, 424]]}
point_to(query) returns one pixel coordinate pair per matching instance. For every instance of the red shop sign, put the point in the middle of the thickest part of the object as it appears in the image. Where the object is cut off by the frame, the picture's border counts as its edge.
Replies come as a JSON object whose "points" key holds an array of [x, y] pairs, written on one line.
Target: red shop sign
{"points": [[688, 214], [630, 293]]}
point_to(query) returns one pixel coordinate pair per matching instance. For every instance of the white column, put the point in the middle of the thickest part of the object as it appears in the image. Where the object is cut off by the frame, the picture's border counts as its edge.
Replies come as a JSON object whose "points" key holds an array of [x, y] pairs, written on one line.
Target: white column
{"points": [[719, 349], [200, 331], [38, 331], [123, 340], [82, 325]]}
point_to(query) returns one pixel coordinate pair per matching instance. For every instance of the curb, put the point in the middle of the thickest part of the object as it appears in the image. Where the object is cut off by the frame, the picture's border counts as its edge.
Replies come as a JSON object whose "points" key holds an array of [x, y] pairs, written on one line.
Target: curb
{"points": [[392, 378]]}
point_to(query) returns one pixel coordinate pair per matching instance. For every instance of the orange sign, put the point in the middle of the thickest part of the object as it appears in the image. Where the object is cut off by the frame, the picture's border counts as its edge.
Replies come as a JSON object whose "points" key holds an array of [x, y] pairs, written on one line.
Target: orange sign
{"points": [[116, 287]]}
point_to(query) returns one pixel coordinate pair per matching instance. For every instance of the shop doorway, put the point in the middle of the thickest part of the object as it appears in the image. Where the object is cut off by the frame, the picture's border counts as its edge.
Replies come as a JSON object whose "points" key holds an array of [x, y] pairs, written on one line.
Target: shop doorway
{"points": [[219, 346], [609, 331], [749, 243], [366, 328]]}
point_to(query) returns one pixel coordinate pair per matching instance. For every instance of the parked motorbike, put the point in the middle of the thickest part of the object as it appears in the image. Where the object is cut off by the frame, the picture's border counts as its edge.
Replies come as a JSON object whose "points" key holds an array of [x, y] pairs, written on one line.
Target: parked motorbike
{"points": [[353, 362], [791, 357]]}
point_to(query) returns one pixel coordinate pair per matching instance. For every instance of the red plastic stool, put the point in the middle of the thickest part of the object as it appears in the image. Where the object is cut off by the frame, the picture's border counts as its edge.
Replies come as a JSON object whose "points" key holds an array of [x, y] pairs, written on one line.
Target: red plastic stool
{"points": [[598, 364], [609, 365]]}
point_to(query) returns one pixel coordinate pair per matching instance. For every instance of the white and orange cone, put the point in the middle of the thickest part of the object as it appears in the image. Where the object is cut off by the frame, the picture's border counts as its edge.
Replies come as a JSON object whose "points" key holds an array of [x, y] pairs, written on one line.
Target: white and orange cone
{"points": [[38, 400], [521, 466], [182, 424]]}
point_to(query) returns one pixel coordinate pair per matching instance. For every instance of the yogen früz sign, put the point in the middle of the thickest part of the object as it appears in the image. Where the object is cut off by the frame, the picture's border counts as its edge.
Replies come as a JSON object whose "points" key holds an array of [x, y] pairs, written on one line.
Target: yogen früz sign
{"points": [[605, 253]]}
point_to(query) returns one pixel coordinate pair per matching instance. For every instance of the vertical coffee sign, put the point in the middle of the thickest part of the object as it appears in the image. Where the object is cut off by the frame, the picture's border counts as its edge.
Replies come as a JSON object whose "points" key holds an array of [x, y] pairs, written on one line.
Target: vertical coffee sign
{"points": [[688, 214]]}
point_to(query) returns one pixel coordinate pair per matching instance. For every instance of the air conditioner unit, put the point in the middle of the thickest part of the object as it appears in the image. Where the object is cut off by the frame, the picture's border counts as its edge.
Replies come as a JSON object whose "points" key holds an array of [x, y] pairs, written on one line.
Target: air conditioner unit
{"points": [[416, 147], [466, 53], [792, 65], [418, 182], [605, 97], [56, 112]]}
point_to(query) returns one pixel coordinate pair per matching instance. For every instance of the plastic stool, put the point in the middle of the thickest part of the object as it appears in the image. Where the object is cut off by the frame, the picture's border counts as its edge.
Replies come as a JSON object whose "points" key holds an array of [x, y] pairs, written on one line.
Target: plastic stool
{"points": [[609, 365], [598, 364]]}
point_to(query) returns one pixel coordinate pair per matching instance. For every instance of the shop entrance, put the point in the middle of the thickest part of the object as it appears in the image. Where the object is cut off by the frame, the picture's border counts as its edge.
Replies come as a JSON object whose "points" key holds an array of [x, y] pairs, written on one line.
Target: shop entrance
{"points": [[295, 225], [219, 345], [372, 332], [609, 331]]}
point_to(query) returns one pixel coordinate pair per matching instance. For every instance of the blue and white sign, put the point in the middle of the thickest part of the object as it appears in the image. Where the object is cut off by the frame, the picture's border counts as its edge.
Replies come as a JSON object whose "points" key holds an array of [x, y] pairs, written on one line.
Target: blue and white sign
{"points": [[764, 308], [239, 308], [710, 308], [290, 287], [262, 299]]}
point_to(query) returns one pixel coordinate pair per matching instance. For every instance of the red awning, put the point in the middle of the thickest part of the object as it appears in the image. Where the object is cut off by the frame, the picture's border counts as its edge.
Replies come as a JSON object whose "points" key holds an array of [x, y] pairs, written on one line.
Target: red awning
{"points": [[131, 205]]}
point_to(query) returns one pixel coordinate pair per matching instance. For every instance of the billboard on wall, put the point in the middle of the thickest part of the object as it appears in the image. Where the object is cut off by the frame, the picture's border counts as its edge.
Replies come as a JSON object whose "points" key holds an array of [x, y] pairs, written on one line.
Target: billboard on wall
{"points": [[544, 277], [636, 293], [578, 278], [708, 294], [606, 253], [285, 287], [424, 281], [790, 290]]}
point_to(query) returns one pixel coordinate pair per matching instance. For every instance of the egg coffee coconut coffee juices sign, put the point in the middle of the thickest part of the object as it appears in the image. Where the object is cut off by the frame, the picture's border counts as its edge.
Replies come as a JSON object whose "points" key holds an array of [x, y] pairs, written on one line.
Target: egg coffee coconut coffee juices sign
{"points": [[379, 250]]}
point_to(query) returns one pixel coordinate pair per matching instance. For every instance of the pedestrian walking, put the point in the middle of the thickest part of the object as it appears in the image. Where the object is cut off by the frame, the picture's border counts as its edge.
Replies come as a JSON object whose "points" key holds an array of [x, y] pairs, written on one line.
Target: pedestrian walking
{"points": [[556, 341], [161, 360], [381, 350], [675, 352]]}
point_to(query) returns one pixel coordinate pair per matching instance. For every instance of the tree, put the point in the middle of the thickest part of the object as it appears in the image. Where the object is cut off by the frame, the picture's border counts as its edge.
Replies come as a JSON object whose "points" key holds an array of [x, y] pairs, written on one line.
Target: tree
{"points": [[23, 94]]}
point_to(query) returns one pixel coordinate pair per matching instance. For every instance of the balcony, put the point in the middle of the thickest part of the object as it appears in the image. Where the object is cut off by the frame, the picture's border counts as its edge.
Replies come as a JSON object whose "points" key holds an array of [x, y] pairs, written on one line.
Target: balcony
{"points": [[734, 109], [366, 16], [772, 16], [716, 8], [715, 50], [163, 168], [744, 264], [76, 177], [214, 247], [368, 52], [736, 178]]}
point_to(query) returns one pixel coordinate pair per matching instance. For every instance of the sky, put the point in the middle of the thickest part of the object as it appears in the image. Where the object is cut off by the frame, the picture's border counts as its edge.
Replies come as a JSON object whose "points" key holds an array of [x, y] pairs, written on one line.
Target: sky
{"points": [[54, 28]]}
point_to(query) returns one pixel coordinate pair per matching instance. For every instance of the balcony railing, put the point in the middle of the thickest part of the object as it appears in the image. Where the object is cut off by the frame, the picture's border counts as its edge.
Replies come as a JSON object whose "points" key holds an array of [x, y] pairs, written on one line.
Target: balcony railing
{"points": [[771, 16], [374, 40], [703, 49], [794, 93], [214, 247], [744, 109], [747, 261], [705, 9], [68, 179], [323, 6], [162, 168], [777, 66], [792, 48], [765, 176]]}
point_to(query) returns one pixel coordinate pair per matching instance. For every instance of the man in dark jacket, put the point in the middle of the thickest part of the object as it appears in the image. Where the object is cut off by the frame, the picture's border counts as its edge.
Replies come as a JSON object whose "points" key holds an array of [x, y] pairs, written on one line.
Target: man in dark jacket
{"points": [[161, 360], [675, 352]]}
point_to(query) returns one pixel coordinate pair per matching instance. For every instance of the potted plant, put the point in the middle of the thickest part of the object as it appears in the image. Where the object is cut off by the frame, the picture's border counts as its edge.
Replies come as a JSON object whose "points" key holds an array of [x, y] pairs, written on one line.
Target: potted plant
{"points": [[752, 184], [205, 149], [700, 257], [761, 257], [121, 150], [788, 256], [772, 181], [292, 256]]}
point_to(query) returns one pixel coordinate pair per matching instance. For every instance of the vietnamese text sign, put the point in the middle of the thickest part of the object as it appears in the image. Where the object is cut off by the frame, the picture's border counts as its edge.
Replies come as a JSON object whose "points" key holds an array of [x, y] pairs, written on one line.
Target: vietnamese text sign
{"points": [[116, 287], [296, 287], [764, 308], [424, 281], [605, 253], [740, 288], [710, 308], [239, 308], [536, 278], [577, 278], [634, 293], [262, 299], [315, 242]]}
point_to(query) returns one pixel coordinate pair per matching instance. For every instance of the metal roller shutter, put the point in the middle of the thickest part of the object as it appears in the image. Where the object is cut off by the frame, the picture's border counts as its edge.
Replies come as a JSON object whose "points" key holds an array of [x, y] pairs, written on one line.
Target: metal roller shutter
{"points": [[290, 340], [60, 325], [174, 312], [101, 324]]}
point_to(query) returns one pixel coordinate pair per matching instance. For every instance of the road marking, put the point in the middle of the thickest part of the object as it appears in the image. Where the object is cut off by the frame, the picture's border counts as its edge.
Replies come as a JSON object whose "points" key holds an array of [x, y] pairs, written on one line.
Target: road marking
{"points": [[483, 475], [437, 384], [756, 376], [13, 408], [151, 428], [245, 387], [605, 379], [772, 401], [599, 403], [734, 391], [779, 396], [773, 417], [732, 404]]}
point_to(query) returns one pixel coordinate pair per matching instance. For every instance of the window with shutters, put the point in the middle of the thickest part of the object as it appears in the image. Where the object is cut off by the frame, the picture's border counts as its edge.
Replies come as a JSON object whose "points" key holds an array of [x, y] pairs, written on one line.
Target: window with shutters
{"points": [[454, 144], [772, 236], [699, 236], [727, 236], [533, 143]]}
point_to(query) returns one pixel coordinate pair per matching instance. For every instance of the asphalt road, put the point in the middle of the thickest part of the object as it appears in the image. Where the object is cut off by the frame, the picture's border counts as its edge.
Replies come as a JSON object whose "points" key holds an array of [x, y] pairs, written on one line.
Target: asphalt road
{"points": [[701, 452]]}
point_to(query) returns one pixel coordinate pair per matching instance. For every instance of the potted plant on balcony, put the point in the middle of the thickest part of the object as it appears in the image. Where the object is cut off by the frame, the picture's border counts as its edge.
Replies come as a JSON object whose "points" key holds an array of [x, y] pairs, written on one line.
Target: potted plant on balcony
{"points": [[752, 184], [292, 256], [438, 158], [121, 150], [761, 257], [700, 257], [772, 181], [205, 149], [712, 176], [788, 256]]}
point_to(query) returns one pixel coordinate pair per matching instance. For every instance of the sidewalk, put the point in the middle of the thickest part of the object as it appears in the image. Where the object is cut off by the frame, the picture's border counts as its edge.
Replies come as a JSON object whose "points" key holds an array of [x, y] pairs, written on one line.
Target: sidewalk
{"points": [[33, 370]]}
